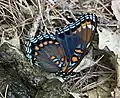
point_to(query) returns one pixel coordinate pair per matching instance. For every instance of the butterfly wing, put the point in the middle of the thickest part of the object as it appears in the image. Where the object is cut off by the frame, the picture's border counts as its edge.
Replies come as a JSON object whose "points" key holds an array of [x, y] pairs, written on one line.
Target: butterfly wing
{"points": [[64, 51], [75, 39], [45, 50]]}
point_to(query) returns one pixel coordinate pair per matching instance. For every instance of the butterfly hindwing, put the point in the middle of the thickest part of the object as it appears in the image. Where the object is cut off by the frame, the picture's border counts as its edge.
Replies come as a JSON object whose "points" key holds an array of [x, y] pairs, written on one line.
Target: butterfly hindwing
{"points": [[46, 51]]}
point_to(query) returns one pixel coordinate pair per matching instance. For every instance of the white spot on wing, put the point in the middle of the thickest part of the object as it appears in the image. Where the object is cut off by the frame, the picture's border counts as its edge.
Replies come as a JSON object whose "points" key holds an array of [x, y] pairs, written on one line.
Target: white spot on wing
{"points": [[89, 26]]}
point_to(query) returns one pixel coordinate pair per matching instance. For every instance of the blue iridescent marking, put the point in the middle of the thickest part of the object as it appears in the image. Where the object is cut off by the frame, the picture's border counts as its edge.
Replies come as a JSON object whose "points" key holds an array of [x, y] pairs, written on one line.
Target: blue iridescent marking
{"points": [[60, 31], [82, 19], [54, 60], [52, 37], [87, 17], [77, 22], [29, 56], [34, 40], [57, 32], [91, 17], [28, 43], [66, 28], [94, 18], [28, 50], [46, 36], [40, 37], [71, 64], [72, 26], [77, 54], [60, 65]]}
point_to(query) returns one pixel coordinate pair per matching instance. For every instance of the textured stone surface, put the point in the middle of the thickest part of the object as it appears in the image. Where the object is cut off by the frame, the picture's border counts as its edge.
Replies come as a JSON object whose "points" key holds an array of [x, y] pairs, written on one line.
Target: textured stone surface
{"points": [[24, 80]]}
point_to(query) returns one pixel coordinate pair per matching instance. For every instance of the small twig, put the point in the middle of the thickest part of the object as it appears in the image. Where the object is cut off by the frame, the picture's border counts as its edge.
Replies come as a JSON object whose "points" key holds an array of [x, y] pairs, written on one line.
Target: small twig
{"points": [[67, 22], [2, 38], [104, 6], [2, 95], [6, 91], [95, 84], [40, 12]]}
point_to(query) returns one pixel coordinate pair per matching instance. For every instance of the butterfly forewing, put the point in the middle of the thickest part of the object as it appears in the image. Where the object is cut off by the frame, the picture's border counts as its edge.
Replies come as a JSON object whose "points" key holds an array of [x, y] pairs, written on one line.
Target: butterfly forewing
{"points": [[75, 39]]}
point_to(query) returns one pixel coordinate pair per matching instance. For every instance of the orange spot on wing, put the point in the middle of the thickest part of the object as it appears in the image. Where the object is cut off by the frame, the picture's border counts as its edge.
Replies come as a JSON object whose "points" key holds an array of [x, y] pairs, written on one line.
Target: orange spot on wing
{"points": [[78, 51], [56, 43], [50, 42], [57, 62], [74, 59], [35, 53], [40, 45], [52, 57], [45, 43], [36, 48], [63, 59]]}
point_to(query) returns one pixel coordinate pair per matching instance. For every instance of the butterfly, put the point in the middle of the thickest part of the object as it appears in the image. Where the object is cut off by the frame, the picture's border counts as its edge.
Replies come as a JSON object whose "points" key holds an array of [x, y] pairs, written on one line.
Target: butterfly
{"points": [[62, 52]]}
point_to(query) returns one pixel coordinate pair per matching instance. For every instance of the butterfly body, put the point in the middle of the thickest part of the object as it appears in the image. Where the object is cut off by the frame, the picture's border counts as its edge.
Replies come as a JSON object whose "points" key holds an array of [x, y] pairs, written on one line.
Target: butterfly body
{"points": [[62, 52]]}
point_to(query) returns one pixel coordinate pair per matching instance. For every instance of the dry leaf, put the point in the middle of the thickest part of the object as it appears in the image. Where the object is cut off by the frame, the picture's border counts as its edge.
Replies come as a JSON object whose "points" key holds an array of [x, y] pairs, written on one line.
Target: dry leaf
{"points": [[112, 41], [116, 8]]}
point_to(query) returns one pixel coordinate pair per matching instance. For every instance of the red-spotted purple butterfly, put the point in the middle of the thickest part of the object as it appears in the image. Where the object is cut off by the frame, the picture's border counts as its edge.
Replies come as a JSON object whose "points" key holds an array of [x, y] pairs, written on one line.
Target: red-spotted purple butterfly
{"points": [[61, 53]]}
